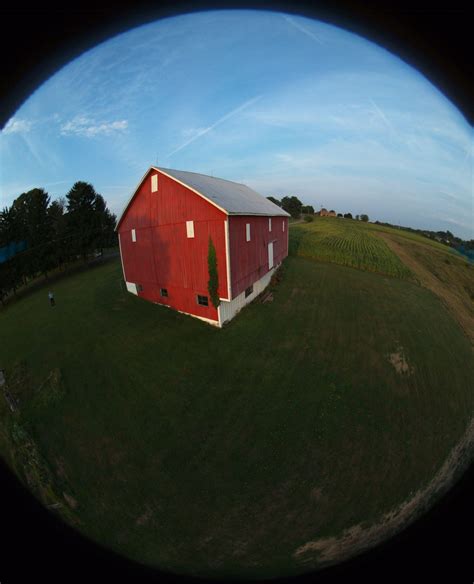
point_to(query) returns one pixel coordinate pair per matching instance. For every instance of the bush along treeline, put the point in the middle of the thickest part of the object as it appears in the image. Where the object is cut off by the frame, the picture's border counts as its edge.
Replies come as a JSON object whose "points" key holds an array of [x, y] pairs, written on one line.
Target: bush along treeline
{"points": [[38, 235]]}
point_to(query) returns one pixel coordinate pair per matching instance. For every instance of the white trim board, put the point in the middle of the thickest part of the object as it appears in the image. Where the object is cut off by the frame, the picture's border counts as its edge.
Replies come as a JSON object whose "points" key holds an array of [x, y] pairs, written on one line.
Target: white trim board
{"points": [[121, 258]]}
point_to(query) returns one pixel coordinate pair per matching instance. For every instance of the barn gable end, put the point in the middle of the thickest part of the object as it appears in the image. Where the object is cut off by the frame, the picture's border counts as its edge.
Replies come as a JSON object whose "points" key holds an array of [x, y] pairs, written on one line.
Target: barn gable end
{"points": [[164, 234]]}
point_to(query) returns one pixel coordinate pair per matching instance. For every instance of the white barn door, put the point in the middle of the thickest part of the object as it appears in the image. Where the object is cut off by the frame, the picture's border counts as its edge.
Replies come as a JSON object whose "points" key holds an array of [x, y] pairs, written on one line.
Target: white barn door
{"points": [[270, 255]]}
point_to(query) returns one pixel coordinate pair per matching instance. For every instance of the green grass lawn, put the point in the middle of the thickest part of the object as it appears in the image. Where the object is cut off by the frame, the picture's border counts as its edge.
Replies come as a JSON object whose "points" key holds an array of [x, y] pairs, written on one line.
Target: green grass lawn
{"points": [[220, 452]]}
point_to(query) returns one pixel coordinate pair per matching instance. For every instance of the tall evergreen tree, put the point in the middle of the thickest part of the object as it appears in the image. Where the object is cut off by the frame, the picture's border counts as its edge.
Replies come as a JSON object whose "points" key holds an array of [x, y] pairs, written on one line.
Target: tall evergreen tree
{"points": [[32, 225], [105, 224], [57, 217], [82, 218], [8, 226], [12, 270], [213, 283]]}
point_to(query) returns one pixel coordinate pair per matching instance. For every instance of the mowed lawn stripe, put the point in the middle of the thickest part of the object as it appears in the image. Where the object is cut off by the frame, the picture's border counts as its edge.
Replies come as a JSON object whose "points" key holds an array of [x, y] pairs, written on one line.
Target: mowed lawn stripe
{"points": [[222, 451]]}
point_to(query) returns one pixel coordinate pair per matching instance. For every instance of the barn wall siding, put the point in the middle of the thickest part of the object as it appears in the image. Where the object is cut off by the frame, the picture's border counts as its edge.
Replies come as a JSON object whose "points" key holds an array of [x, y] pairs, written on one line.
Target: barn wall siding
{"points": [[227, 310], [163, 256], [179, 299], [249, 259]]}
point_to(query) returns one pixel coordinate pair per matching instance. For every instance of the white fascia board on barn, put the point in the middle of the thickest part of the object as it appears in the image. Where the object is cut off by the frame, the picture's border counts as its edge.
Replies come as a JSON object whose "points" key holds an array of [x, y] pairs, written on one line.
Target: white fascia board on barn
{"points": [[227, 259], [121, 258]]}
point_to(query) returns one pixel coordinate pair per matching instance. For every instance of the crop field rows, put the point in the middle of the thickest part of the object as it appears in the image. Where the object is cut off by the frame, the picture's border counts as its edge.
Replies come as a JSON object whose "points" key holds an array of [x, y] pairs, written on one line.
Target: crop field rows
{"points": [[345, 243]]}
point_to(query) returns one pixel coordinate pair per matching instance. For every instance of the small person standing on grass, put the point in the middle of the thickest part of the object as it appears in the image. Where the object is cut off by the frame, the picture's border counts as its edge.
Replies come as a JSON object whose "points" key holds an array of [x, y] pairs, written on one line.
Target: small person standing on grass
{"points": [[51, 298]]}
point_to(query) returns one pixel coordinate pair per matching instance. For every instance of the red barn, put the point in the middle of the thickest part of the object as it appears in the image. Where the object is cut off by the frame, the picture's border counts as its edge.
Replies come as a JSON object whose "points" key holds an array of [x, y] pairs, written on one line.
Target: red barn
{"points": [[164, 234]]}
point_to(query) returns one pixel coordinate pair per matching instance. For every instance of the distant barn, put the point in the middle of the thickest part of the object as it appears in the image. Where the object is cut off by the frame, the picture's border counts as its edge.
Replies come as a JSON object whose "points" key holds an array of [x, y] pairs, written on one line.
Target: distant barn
{"points": [[164, 234]]}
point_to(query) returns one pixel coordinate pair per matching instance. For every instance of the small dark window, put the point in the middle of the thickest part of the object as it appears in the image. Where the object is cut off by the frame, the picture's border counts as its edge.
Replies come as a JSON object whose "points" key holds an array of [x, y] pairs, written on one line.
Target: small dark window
{"points": [[249, 291], [139, 288], [202, 300], [164, 292]]}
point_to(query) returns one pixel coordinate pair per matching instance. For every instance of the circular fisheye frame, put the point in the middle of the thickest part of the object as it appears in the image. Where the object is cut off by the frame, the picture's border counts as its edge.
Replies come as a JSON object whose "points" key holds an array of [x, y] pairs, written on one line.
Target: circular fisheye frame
{"points": [[236, 276]]}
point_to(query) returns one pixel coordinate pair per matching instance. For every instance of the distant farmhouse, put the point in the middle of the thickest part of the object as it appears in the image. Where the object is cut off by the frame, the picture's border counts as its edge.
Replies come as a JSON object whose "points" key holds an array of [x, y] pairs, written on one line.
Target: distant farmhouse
{"points": [[168, 227], [325, 213]]}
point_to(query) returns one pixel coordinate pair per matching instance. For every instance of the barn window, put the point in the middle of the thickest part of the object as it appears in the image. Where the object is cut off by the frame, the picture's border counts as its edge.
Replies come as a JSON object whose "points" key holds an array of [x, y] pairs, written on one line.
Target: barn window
{"points": [[154, 183], [249, 291], [247, 232], [190, 228], [139, 288], [269, 224], [164, 292], [283, 224], [202, 300], [134, 235]]}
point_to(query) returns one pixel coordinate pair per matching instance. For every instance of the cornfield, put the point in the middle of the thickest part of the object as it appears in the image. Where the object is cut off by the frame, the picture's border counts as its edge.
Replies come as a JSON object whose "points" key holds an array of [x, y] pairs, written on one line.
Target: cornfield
{"points": [[347, 243]]}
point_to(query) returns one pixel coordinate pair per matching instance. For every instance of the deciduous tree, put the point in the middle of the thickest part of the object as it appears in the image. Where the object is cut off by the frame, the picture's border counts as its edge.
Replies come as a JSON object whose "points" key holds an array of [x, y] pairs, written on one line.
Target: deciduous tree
{"points": [[274, 200], [292, 205]]}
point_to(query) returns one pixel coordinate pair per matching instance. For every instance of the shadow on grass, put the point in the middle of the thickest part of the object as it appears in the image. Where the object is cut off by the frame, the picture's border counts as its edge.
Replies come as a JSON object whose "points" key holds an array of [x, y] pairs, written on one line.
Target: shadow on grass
{"points": [[42, 282]]}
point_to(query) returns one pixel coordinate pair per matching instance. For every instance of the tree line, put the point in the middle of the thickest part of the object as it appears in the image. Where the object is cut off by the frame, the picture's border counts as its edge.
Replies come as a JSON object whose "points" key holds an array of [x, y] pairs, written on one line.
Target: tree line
{"points": [[464, 246], [296, 208], [38, 235], [293, 206]]}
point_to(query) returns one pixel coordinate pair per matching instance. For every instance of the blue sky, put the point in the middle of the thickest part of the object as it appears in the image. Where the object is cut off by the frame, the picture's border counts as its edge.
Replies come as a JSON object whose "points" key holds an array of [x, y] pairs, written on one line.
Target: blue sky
{"points": [[284, 104]]}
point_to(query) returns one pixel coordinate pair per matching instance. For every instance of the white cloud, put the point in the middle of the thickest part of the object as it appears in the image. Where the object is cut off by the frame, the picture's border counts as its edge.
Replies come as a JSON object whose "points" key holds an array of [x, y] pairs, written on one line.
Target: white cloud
{"points": [[84, 126], [17, 126]]}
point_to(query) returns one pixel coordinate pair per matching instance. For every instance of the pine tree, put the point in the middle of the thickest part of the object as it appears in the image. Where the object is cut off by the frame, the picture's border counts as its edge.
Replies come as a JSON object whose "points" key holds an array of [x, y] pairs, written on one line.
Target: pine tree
{"points": [[213, 284]]}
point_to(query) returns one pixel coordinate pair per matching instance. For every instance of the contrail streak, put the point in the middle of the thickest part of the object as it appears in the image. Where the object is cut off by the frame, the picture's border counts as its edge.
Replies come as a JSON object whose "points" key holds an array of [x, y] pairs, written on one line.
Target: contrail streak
{"points": [[219, 121], [303, 30], [382, 116]]}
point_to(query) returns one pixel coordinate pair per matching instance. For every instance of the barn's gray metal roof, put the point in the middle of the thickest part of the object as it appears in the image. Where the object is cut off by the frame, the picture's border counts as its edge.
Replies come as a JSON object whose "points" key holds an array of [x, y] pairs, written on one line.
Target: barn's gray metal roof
{"points": [[231, 197], [234, 198]]}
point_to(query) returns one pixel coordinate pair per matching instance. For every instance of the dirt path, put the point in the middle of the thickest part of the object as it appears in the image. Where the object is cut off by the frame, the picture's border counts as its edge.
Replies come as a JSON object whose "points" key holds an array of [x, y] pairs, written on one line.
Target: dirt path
{"points": [[455, 301]]}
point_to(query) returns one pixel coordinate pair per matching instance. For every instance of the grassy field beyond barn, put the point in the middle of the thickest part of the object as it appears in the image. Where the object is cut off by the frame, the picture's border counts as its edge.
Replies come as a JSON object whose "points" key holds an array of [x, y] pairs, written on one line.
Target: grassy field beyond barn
{"points": [[224, 452], [348, 243], [356, 244], [395, 252]]}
